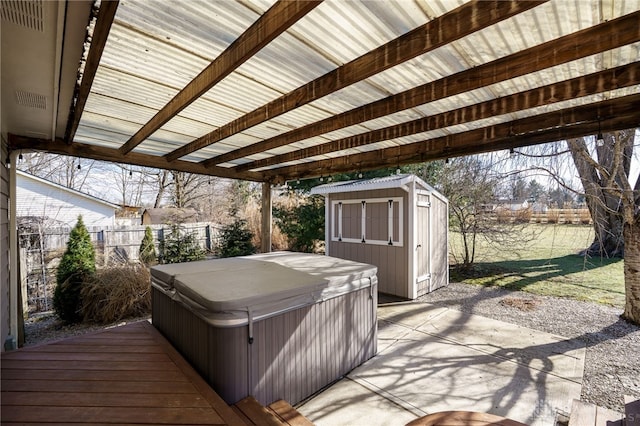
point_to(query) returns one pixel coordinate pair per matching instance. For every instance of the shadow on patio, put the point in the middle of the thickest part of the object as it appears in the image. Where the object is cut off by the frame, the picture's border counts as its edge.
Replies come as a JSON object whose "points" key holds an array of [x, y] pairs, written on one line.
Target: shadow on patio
{"points": [[434, 359]]}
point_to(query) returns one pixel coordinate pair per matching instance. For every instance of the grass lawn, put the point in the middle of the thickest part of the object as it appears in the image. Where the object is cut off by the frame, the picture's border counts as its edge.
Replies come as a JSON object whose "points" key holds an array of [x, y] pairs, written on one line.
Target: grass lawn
{"points": [[548, 265]]}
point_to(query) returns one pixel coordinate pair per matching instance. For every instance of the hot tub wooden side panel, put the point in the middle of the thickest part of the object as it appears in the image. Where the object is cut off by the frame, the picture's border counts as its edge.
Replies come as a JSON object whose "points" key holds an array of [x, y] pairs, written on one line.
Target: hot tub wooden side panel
{"points": [[219, 355], [293, 355]]}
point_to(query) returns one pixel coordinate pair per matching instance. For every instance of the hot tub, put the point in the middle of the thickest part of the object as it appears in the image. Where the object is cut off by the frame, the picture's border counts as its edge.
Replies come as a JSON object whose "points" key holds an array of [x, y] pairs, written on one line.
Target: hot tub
{"points": [[276, 326]]}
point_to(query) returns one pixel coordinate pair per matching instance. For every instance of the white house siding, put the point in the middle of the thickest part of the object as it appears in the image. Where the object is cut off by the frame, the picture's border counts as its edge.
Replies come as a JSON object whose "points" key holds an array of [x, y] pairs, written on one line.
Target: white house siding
{"points": [[58, 205], [4, 247]]}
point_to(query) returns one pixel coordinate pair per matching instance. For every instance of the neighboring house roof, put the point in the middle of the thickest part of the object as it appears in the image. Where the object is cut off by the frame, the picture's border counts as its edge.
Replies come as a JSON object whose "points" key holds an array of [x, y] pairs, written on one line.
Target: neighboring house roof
{"points": [[394, 181], [26, 175], [56, 205], [167, 215]]}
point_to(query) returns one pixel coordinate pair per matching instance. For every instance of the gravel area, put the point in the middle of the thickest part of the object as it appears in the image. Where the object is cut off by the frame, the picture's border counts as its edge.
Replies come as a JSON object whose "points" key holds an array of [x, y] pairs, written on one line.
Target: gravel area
{"points": [[612, 364]]}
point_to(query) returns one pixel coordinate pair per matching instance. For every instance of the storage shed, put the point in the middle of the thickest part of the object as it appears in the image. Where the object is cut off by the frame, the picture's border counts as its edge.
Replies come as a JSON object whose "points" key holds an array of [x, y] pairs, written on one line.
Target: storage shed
{"points": [[397, 223]]}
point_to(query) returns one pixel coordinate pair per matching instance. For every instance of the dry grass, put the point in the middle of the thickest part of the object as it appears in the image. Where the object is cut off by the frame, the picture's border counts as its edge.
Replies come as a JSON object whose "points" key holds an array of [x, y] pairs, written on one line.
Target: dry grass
{"points": [[117, 293], [252, 213], [523, 304], [553, 216]]}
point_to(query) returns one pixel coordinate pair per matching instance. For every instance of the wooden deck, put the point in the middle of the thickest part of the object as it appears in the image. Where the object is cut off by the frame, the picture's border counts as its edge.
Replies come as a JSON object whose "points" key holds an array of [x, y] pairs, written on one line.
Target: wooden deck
{"points": [[128, 374]]}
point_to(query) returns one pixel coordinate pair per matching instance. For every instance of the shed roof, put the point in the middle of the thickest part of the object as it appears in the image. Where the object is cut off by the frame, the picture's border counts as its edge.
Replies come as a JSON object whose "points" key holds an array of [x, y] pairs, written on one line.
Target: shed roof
{"points": [[276, 90], [395, 181]]}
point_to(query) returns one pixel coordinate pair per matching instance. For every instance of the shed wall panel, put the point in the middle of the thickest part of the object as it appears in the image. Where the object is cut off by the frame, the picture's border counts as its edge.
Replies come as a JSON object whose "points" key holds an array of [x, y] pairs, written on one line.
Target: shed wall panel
{"points": [[439, 243], [423, 246], [392, 261]]}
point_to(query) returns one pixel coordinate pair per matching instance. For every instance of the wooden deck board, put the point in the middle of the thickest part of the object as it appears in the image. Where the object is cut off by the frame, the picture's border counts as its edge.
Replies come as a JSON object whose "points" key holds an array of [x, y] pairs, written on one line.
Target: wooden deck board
{"points": [[107, 386], [128, 374], [140, 376]]}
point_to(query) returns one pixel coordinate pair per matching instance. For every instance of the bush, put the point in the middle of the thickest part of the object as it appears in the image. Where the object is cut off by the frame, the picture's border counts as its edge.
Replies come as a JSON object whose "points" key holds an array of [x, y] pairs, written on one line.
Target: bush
{"points": [[78, 264], [553, 216], [302, 224], [117, 293], [147, 252], [179, 246], [523, 216], [504, 215], [584, 216], [235, 240]]}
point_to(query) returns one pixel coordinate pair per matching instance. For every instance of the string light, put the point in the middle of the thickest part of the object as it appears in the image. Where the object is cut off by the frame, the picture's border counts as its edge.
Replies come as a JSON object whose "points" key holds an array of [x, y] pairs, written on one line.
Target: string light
{"points": [[599, 138]]}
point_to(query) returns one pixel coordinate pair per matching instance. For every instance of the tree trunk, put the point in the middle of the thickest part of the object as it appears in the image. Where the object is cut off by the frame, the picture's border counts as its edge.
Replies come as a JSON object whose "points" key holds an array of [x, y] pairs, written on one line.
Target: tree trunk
{"points": [[632, 271], [614, 201], [162, 185], [597, 180]]}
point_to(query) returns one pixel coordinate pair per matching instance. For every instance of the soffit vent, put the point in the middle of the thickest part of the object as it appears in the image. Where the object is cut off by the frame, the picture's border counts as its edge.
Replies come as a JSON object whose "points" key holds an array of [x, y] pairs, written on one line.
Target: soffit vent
{"points": [[31, 100], [26, 13]]}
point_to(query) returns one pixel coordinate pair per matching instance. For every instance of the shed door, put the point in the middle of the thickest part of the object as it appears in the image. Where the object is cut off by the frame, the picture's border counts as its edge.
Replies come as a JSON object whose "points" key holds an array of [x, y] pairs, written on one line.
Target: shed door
{"points": [[422, 244]]}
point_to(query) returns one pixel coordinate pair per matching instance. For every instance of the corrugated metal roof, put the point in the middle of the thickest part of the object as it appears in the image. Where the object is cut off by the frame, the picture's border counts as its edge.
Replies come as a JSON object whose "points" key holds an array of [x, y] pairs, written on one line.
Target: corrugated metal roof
{"points": [[155, 49], [395, 181]]}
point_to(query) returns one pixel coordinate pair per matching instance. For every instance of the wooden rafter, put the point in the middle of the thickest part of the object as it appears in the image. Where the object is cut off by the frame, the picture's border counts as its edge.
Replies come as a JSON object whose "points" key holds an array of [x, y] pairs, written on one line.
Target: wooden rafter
{"points": [[619, 77], [616, 114], [574, 46], [96, 152], [464, 20], [271, 24], [104, 20]]}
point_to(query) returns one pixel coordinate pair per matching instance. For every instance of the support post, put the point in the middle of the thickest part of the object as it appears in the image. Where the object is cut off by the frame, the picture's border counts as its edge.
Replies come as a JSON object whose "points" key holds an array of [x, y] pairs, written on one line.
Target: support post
{"points": [[266, 217], [14, 281]]}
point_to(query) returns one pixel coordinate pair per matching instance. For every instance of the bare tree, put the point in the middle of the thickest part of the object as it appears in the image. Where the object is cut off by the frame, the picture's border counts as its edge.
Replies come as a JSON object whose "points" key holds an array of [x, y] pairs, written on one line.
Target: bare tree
{"points": [[470, 184], [72, 172], [604, 173], [162, 179], [186, 188], [614, 203]]}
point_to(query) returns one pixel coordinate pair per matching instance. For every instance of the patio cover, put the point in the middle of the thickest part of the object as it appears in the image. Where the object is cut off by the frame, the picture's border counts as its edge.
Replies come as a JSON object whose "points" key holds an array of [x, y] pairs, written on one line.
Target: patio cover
{"points": [[271, 91]]}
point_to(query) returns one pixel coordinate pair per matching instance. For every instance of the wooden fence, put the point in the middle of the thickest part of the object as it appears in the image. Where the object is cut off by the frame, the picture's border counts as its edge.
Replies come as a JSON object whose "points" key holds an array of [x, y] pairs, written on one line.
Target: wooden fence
{"points": [[126, 241], [41, 248], [551, 216]]}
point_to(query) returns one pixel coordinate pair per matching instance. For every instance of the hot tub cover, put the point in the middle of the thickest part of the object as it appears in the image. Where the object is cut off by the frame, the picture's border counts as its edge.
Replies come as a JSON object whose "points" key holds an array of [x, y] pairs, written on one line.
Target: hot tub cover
{"points": [[257, 282], [236, 291]]}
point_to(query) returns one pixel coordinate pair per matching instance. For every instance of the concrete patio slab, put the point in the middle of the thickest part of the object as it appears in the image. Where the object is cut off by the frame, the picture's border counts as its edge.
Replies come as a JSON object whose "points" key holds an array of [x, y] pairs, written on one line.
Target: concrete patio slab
{"points": [[434, 359], [547, 352], [350, 403]]}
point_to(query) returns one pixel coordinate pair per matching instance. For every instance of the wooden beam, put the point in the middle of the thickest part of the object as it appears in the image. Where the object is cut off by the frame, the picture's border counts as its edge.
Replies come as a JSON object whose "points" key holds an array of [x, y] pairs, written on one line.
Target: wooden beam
{"points": [[464, 20], [270, 25], [615, 114], [555, 52], [96, 152], [266, 218], [104, 20], [619, 77]]}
